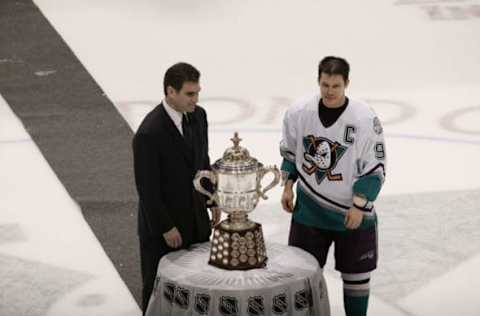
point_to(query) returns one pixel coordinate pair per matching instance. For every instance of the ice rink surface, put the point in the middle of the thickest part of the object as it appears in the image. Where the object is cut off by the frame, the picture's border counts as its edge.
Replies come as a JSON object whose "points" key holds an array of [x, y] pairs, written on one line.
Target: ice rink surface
{"points": [[416, 62]]}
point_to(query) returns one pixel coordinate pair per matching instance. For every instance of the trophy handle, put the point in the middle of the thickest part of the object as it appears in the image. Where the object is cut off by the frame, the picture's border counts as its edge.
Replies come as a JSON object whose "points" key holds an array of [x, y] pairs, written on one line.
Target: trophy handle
{"points": [[262, 172], [198, 186]]}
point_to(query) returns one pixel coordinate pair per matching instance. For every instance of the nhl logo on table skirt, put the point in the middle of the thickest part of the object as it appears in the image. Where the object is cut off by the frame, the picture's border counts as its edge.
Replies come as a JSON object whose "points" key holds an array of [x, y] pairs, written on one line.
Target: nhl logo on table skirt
{"points": [[202, 303], [182, 297], [255, 306], [302, 300], [228, 306], [168, 291], [279, 304]]}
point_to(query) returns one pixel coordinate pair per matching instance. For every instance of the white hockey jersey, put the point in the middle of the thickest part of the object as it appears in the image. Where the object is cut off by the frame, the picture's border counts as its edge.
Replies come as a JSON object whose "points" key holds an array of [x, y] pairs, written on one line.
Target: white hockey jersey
{"points": [[330, 160]]}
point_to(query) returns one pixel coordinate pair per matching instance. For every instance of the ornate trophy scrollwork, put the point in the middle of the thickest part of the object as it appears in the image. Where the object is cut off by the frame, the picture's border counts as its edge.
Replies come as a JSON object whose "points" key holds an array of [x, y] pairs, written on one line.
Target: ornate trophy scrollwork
{"points": [[237, 242]]}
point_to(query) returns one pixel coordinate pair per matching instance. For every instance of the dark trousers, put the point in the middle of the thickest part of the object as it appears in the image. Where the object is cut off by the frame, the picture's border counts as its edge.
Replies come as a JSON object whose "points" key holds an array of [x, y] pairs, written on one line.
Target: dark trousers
{"points": [[356, 250], [150, 255]]}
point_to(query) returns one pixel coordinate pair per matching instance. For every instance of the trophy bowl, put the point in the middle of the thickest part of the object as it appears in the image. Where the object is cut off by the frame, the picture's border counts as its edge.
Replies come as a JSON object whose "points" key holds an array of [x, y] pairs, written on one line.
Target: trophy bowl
{"points": [[237, 242]]}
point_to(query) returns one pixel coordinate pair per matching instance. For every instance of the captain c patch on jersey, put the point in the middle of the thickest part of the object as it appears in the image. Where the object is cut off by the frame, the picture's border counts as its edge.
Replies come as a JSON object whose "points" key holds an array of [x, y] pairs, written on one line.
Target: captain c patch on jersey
{"points": [[321, 156]]}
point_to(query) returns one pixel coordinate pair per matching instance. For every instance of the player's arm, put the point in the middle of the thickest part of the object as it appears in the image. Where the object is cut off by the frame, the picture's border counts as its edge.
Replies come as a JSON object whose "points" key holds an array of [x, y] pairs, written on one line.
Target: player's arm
{"points": [[371, 168], [288, 168]]}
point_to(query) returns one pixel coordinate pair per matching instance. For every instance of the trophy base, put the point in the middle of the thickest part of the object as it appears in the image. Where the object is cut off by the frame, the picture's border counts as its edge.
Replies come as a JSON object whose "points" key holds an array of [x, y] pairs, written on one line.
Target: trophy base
{"points": [[235, 249]]}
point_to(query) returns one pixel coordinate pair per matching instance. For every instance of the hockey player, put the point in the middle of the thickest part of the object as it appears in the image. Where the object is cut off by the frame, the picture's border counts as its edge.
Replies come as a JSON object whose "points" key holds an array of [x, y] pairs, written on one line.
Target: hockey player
{"points": [[333, 147]]}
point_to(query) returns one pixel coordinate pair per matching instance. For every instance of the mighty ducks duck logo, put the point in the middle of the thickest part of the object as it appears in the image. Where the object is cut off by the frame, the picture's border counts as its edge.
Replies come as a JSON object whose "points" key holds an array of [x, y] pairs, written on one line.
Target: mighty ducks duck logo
{"points": [[321, 157]]}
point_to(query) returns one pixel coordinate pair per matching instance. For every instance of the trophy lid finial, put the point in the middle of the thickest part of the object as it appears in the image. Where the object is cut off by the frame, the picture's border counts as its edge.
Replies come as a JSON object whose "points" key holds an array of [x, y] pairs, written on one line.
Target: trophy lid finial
{"points": [[236, 159], [236, 140]]}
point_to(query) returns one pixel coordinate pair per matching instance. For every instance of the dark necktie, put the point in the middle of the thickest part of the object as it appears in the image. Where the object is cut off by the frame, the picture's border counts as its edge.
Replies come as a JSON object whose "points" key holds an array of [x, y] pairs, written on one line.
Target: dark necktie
{"points": [[187, 131]]}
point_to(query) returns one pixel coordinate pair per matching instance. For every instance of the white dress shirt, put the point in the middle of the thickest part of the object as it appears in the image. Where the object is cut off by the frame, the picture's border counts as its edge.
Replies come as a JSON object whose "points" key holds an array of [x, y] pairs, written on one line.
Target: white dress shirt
{"points": [[174, 115]]}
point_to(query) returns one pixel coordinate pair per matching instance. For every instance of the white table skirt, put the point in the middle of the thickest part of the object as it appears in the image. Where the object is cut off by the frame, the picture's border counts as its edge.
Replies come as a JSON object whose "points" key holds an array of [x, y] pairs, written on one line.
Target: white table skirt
{"points": [[291, 284]]}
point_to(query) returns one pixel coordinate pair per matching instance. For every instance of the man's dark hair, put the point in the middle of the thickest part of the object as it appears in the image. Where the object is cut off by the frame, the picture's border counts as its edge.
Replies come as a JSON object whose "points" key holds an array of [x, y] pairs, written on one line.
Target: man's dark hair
{"points": [[179, 73], [332, 65]]}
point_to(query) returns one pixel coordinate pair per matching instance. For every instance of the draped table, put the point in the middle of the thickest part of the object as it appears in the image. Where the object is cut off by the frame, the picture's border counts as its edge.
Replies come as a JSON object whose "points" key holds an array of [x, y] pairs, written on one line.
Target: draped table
{"points": [[292, 283]]}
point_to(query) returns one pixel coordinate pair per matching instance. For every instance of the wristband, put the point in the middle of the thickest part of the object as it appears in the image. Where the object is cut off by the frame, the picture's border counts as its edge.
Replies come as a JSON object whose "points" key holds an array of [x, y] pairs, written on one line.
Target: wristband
{"points": [[362, 203]]}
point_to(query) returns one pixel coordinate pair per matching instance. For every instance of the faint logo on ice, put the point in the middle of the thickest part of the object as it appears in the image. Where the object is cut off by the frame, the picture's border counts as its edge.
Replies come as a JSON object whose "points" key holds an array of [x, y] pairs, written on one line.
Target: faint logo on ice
{"points": [[266, 115]]}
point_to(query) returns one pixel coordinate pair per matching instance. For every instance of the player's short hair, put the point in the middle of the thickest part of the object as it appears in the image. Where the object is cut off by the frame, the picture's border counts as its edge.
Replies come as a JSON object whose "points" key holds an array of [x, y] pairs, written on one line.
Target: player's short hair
{"points": [[332, 65], [179, 73]]}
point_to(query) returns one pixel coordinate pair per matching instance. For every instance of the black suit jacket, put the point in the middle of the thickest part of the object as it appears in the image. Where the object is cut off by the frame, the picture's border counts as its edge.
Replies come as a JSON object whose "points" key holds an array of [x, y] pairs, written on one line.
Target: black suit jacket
{"points": [[164, 171]]}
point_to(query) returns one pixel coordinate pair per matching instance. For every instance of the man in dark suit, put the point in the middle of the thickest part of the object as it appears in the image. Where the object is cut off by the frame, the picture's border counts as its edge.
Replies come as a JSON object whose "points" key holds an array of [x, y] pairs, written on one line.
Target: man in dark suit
{"points": [[169, 147]]}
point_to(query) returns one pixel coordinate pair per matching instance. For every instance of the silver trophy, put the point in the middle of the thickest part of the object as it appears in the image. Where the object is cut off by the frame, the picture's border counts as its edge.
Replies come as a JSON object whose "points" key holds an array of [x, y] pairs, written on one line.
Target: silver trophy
{"points": [[237, 242]]}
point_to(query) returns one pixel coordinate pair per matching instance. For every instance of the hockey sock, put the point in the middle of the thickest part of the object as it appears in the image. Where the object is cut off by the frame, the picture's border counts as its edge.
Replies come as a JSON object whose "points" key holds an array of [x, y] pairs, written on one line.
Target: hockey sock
{"points": [[356, 290]]}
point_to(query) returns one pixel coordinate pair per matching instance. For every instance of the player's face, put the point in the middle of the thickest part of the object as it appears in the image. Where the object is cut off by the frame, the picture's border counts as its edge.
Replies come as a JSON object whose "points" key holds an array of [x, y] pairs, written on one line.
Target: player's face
{"points": [[332, 89], [186, 98]]}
